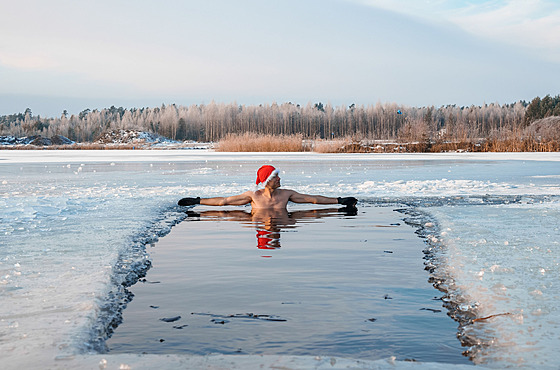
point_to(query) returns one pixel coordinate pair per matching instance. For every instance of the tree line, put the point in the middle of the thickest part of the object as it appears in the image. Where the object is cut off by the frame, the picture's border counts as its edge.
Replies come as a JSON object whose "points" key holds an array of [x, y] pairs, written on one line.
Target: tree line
{"points": [[542, 108], [213, 121]]}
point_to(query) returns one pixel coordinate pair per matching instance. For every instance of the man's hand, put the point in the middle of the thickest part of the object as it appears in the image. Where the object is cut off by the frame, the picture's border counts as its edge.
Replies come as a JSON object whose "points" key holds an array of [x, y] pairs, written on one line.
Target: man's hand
{"points": [[189, 201], [347, 201]]}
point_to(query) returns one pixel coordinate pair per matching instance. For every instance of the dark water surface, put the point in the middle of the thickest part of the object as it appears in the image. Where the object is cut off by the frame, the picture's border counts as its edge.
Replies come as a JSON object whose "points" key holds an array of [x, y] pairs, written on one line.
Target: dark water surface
{"points": [[308, 282]]}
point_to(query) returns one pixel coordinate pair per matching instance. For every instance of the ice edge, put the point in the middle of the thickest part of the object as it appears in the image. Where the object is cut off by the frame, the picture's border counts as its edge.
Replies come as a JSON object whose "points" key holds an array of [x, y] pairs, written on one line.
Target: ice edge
{"points": [[132, 264]]}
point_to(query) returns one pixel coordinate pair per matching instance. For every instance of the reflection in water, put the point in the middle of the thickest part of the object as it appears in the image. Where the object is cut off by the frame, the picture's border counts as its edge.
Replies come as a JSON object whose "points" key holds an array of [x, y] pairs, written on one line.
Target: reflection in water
{"points": [[269, 223]]}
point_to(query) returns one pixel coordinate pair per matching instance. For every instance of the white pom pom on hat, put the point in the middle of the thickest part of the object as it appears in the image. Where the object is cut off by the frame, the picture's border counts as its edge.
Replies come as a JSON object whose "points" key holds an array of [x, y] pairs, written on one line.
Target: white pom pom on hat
{"points": [[265, 174]]}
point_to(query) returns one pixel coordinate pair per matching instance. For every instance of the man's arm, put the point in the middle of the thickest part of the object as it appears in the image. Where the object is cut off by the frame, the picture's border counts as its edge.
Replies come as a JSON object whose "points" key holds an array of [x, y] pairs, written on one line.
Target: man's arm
{"points": [[235, 200], [319, 199], [315, 199]]}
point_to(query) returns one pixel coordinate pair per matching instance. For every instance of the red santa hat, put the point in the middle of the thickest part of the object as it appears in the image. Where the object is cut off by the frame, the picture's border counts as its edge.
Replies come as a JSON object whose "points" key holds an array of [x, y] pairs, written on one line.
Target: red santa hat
{"points": [[265, 174]]}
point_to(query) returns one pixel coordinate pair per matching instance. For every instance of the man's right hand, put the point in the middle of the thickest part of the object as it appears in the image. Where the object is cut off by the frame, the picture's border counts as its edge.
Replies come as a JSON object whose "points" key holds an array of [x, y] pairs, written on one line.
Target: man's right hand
{"points": [[189, 201], [348, 201]]}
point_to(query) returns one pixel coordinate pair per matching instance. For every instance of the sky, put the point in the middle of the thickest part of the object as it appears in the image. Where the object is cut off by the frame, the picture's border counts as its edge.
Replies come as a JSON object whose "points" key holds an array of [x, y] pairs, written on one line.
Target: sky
{"points": [[66, 55]]}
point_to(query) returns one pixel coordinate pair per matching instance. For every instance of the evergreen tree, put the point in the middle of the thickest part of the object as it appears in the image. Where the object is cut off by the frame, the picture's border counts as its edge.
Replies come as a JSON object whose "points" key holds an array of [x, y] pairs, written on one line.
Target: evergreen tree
{"points": [[181, 129]]}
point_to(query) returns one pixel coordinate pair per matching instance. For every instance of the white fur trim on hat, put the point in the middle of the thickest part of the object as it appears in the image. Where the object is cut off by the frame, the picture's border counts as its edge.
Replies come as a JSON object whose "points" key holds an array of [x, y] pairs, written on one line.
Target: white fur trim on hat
{"points": [[272, 175]]}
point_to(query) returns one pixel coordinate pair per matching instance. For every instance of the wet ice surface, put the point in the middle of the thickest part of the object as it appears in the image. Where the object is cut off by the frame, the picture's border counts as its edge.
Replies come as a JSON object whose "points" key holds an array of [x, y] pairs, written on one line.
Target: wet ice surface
{"points": [[66, 217]]}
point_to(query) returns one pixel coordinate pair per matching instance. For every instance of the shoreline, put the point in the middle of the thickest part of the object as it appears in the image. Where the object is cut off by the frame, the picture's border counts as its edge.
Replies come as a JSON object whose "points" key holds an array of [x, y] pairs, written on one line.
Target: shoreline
{"points": [[388, 148], [251, 142]]}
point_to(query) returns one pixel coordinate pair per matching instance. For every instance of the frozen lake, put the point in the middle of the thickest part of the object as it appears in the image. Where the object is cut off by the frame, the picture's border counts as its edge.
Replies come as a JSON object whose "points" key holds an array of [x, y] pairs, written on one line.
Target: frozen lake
{"points": [[74, 225]]}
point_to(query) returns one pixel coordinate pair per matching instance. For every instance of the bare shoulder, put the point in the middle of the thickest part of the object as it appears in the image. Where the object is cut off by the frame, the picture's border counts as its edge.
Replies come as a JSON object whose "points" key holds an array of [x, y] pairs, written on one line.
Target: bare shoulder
{"points": [[245, 197], [288, 193], [249, 193]]}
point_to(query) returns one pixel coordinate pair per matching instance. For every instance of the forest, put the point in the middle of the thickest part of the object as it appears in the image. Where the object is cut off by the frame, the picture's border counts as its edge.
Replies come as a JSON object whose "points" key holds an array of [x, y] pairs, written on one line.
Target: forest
{"points": [[214, 121]]}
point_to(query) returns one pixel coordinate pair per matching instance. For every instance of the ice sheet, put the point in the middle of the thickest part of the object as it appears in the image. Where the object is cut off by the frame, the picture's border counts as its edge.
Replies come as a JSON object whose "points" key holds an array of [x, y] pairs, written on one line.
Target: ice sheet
{"points": [[504, 260], [68, 217]]}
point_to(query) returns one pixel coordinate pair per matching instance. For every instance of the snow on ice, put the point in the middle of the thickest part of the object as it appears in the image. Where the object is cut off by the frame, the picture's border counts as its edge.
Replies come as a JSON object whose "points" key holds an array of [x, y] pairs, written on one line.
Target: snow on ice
{"points": [[70, 219]]}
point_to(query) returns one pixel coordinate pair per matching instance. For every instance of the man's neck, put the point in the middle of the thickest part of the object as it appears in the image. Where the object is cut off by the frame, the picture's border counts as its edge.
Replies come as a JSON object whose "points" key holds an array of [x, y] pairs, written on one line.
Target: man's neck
{"points": [[268, 191]]}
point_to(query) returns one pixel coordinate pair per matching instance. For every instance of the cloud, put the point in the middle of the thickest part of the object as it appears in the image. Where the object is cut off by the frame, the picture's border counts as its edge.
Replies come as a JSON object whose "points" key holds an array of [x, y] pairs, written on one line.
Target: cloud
{"points": [[530, 24], [533, 24], [253, 51], [27, 61]]}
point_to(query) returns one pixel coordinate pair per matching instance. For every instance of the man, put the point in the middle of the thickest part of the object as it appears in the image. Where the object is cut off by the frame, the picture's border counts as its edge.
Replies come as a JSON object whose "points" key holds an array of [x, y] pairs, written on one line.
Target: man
{"points": [[271, 197]]}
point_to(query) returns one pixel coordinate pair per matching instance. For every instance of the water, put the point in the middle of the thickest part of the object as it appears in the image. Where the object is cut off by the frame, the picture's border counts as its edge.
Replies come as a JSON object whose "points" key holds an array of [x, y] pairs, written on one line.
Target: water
{"points": [[327, 283], [75, 225]]}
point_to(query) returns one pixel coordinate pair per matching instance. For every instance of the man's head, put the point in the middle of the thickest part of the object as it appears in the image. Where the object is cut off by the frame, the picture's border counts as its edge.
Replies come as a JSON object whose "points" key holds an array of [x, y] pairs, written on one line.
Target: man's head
{"points": [[266, 174]]}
